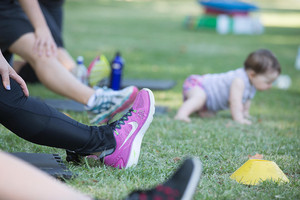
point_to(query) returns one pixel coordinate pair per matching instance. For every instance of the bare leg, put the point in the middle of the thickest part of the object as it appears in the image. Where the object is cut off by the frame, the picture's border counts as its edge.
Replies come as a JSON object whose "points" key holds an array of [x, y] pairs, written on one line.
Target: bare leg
{"points": [[63, 56], [51, 72], [65, 59], [196, 99], [19, 180]]}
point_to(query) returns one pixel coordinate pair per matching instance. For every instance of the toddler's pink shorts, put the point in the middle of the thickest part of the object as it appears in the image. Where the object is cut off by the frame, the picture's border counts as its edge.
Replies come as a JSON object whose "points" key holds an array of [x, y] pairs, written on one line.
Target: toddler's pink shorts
{"points": [[191, 82]]}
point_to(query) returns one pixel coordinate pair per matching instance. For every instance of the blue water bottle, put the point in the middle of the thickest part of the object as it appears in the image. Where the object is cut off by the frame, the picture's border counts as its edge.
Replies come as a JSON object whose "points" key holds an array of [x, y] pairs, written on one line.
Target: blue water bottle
{"points": [[117, 65]]}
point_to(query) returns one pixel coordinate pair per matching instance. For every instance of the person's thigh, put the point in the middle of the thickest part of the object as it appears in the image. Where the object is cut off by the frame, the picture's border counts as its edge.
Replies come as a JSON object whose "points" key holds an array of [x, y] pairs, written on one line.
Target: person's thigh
{"points": [[197, 93], [24, 47]]}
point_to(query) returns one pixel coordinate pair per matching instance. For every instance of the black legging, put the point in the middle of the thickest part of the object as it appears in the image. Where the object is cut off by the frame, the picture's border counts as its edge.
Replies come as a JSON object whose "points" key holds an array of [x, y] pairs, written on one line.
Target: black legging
{"points": [[39, 123]]}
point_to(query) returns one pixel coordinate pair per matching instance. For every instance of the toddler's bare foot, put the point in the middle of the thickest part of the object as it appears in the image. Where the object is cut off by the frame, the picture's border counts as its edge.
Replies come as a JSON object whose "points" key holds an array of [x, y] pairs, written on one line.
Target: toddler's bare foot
{"points": [[181, 118]]}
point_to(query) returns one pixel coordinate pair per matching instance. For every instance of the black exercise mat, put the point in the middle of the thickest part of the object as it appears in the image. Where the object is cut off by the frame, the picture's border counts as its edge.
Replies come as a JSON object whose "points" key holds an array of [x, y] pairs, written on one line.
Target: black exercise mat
{"points": [[52, 164], [152, 84], [66, 104]]}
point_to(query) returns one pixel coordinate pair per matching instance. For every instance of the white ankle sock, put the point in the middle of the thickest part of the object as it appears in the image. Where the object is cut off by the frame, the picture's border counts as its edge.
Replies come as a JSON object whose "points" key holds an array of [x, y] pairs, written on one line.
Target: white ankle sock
{"points": [[91, 101]]}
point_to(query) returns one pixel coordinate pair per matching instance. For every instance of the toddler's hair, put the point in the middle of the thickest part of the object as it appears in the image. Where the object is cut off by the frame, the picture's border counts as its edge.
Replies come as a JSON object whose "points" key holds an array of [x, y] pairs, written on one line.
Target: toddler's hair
{"points": [[261, 61]]}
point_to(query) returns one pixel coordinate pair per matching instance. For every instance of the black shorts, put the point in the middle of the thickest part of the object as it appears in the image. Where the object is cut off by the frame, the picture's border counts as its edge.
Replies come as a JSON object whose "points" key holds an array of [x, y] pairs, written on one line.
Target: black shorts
{"points": [[14, 23]]}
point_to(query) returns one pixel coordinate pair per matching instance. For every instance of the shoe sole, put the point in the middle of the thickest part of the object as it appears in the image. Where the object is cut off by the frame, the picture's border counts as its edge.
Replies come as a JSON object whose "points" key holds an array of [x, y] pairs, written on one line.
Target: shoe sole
{"points": [[124, 106], [136, 144], [193, 183]]}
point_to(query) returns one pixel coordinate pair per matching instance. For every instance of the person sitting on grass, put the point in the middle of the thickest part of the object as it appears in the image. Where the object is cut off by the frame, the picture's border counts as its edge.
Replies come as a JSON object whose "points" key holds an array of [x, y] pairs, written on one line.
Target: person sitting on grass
{"points": [[209, 93], [24, 32], [117, 143]]}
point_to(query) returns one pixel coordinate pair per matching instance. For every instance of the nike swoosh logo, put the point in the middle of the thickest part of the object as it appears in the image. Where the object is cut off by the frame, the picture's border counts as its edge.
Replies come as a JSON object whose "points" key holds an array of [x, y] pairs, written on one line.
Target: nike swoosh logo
{"points": [[134, 127]]}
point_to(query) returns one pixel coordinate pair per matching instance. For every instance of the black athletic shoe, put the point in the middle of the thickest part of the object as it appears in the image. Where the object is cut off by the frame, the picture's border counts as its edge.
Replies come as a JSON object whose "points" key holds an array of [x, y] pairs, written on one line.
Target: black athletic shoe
{"points": [[181, 185]]}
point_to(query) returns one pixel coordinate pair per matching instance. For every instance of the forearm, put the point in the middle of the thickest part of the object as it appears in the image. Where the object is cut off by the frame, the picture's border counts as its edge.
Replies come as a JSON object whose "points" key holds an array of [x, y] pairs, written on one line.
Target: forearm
{"points": [[20, 180], [34, 13], [246, 109], [237, 112], [235, 101]]}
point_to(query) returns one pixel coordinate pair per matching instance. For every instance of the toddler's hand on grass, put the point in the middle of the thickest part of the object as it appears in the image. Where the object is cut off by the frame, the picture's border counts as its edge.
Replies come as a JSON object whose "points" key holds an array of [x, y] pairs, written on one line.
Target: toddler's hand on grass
{"points": [[185, 119], [244, 121], [247, 115]]}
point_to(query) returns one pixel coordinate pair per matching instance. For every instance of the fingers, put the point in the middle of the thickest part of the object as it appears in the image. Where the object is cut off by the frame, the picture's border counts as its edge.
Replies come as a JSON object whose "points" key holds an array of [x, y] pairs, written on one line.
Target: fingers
{"points": [[40, 47], [51, 48], [5, 79], [6, 72], [48, 49], [23, 85], [21, 82], [54, 49], [45, 47], [37, 46]]}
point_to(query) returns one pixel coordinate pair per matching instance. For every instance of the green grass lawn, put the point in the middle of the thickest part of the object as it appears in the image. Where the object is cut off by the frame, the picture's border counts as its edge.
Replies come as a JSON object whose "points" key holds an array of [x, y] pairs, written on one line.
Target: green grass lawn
{"points": [[155, 45]]}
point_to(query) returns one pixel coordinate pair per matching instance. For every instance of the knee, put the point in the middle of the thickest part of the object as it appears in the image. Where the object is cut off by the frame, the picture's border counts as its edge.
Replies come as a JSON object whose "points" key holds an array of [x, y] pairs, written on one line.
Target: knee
{"points": [[38, 62]]}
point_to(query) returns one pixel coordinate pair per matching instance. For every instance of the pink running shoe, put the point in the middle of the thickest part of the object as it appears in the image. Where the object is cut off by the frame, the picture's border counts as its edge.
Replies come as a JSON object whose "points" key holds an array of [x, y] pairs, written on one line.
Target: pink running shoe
{"points": [[129, 131]]}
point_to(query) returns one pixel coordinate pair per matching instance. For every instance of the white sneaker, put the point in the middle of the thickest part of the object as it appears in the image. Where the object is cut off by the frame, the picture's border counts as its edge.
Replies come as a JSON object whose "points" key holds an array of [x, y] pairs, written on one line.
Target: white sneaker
{"points": [[109, 102]]}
